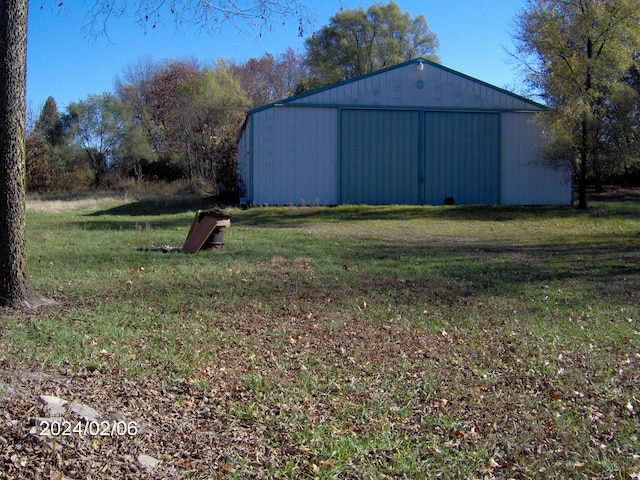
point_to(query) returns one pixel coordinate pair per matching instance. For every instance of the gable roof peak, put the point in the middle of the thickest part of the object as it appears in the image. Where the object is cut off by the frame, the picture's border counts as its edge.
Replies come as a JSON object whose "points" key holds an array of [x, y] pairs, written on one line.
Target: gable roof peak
{"points": [[420, 62]]}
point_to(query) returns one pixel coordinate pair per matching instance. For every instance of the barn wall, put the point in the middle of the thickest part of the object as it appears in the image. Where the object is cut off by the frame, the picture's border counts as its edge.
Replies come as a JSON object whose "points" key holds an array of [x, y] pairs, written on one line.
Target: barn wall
{"points": [[524, 179], [326, 156], [244, 172], [294, 156], [434, 86]]}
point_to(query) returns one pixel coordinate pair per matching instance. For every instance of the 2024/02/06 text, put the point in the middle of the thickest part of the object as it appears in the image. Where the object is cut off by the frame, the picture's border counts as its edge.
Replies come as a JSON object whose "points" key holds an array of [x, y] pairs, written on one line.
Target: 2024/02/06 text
{"points": [[94, 428]]}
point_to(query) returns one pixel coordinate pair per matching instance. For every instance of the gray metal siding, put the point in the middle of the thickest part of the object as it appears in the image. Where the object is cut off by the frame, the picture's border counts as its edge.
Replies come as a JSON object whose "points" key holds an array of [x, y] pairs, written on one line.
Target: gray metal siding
{"points": [[525, 179], [294, 156], [462, 157], [406, 86], [379, 153]]}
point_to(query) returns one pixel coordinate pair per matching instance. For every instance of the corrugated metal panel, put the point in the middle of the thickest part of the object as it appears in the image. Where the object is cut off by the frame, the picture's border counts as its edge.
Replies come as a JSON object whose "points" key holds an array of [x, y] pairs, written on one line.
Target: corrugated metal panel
{"points": [[406, 85], [525, 180], [462, 157], [294, 156], [244, 157], [379, 156]]}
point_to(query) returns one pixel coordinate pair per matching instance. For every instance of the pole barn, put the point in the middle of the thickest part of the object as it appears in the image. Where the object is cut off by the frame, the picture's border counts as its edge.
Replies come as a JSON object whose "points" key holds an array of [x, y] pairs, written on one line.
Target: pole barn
{"points": [[415, 133]]}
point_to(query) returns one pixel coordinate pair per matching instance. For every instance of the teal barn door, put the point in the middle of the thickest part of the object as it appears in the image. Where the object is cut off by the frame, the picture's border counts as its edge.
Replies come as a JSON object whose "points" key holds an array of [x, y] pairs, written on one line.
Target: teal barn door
{"points": [[379, 157], [462, 157]]}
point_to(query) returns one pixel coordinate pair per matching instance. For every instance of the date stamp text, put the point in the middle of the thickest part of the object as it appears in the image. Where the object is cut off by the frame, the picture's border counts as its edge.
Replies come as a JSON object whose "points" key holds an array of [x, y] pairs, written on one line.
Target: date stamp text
{"points": [[93, 428]]}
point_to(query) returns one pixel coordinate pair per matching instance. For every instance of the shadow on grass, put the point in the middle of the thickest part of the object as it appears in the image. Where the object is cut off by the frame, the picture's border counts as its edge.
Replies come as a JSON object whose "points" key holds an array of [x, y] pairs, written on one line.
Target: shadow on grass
{"points": [[610, 265], [122, 225], [283, 217], [602, 269], [159, 206], [152, 208]]}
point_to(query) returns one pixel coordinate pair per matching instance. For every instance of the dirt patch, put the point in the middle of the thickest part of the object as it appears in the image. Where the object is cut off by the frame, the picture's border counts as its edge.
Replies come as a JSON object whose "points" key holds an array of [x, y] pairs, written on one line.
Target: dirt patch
{"points": [[615, 193]]}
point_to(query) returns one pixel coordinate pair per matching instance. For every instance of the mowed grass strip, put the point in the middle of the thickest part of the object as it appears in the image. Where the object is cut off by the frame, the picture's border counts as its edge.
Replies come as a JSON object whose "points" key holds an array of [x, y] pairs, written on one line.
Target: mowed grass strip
{"points": [[362, 342]]}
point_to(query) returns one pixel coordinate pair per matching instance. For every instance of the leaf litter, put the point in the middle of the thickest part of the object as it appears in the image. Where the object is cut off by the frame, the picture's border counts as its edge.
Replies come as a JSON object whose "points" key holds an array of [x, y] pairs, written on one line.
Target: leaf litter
{"points": [[271, 406]]}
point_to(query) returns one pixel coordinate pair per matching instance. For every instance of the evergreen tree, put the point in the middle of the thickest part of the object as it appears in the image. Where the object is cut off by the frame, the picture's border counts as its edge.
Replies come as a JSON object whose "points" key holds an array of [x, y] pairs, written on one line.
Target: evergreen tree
{"points": [[50, 124]]}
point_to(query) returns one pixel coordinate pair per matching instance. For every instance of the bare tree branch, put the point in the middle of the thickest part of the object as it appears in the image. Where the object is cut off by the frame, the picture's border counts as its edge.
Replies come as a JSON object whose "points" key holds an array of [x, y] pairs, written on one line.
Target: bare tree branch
{"points": [[208, 15]]}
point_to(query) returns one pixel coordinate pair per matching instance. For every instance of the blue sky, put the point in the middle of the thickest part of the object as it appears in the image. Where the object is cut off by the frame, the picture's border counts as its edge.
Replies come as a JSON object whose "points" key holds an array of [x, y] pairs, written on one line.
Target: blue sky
{"points": [[63, 62]]}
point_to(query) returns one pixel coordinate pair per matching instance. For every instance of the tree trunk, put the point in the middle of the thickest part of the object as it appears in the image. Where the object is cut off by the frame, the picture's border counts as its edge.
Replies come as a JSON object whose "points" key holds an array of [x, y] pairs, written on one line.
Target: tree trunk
{"points": [[582, 173], [15, 288], [582, 182], [584, 148]]}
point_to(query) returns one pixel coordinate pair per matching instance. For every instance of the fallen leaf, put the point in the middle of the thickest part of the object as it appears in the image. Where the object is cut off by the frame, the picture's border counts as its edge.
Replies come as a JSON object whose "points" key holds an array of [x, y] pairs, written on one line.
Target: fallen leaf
{"points": [[226, 468], [147, 461]]}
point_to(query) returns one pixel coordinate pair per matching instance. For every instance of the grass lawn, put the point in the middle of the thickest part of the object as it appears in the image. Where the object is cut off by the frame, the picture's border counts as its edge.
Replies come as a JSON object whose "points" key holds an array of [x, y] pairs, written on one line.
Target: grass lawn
{"points": [[345, 342]]}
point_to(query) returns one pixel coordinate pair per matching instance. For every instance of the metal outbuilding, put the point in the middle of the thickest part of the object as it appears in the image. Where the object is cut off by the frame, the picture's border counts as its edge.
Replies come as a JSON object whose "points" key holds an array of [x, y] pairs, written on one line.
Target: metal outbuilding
{"points": [[414, 133]]}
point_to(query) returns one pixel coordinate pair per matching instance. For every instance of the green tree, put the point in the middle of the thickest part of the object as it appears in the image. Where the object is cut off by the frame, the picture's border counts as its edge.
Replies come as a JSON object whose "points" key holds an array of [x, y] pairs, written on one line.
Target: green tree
{"points": [[38, 163], [210, 113], [191, 116], [577, 54], [99, 125], [357, 42], [50, 123], [15, 287], [135, 149], [43, 144], [151, 90], [623, 129], [134, 89]]}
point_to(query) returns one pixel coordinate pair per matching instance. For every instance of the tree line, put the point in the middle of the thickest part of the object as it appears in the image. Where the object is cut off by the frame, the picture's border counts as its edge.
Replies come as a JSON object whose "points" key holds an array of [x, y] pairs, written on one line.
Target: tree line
{"points": [[165, 121], [176, 119]]}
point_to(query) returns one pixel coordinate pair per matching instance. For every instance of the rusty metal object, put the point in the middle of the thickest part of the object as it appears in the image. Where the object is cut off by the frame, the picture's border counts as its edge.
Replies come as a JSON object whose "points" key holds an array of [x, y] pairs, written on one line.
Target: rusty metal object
{"points": [[207, 231]]}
